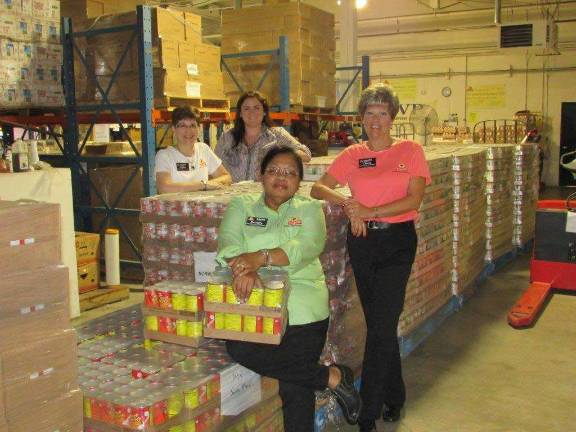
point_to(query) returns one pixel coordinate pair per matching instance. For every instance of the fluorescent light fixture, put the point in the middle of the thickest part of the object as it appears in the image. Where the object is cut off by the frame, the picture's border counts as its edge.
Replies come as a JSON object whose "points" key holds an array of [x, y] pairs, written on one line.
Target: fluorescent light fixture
{"points": [[361, 3]]}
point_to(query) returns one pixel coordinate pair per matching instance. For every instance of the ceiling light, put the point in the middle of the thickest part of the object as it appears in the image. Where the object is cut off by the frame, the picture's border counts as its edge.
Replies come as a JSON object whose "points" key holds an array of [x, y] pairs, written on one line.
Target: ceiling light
{"points": [[361, 3]]}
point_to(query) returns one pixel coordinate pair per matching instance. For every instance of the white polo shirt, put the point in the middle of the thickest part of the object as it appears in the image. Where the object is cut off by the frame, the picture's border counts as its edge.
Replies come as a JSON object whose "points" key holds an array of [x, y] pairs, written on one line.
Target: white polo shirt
{"points": [[183, 168]]}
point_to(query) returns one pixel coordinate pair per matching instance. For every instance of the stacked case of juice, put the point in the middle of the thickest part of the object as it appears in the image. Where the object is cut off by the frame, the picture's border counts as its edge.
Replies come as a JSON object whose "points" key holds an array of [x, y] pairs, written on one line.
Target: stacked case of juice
{"points": [[38, 372], [429, 288], [526, 184]]}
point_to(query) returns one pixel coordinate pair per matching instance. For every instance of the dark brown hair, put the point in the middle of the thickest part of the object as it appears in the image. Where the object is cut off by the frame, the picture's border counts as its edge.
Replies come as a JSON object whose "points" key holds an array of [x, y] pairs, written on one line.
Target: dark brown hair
{"points": [[239, 128]]}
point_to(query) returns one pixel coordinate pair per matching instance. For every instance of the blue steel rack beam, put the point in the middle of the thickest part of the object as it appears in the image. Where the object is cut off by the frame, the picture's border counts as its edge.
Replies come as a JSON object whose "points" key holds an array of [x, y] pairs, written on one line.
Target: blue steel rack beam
{"points": [[142, 35], [280, 57], [363, 69]]}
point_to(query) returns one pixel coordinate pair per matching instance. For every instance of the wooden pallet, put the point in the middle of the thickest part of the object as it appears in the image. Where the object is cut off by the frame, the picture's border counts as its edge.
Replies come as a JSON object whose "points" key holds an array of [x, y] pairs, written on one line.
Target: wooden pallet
{"points": [[201, 104], [103, 296]]}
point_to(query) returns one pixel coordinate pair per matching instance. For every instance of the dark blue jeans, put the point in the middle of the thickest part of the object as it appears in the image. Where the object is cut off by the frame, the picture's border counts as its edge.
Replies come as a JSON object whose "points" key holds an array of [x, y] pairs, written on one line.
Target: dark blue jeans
{"points": [[382, 262]]}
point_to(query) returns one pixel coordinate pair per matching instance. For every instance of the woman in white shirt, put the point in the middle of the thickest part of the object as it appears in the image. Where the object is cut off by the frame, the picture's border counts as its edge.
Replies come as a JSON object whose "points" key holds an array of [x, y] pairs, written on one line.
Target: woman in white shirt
{"points": [[190, 165]]}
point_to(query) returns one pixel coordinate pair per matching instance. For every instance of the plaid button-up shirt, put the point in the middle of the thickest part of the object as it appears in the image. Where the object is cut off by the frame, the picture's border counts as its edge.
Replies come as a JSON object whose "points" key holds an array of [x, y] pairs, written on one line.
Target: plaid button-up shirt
{"points": [[243, 162]]}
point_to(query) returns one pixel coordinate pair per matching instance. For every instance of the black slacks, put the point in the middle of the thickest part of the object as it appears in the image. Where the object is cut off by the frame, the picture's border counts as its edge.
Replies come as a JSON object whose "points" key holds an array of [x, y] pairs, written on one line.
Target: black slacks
{"points": [[382, 262], [295, 364]]}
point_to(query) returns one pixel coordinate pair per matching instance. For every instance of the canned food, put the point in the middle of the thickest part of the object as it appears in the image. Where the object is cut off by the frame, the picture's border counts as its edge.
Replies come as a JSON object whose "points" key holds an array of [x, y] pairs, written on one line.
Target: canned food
{"points": [[233, 322], [175, 256], [186, 208], [231, 295], [198, 209], [149, 230], [175, 401], [190, 426], [210, 320], [147, 205], [174, 232], [159, 412], [167, 325], [181, 327], [199, 234], [150, 297], [213, 387], [178, 300], [256, 297], [215, 292], [151, 322], [191, 399], [202, 394], [252, 324], [186, 257], [211, 234], [219, 320], [272, 326], [188, 233], [163, 254], [211, 209], [273, 295], [194, 329], [194, 301], [162, 231], [164, 298], [159, 207]]}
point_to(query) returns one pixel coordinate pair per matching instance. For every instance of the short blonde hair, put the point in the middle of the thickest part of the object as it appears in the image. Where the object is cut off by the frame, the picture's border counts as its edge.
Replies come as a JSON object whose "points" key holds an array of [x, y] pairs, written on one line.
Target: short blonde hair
{"points": [[377, 94]]}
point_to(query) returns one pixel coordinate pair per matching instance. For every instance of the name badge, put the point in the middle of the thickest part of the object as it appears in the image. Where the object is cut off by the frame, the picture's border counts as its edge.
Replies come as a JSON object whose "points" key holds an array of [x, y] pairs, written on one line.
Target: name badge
{"points": [[367, 163], [182, 166], [256, 221]]}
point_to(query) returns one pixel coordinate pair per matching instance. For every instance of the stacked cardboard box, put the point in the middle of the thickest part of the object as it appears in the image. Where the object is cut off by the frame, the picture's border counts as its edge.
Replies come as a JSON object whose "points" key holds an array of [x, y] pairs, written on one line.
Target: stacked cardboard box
{"points": [[81, 9], [311, 52], [30, 54], [526, 184], [37, 347], [88, 261], [428, 288], [499, 200], [184, 66]]}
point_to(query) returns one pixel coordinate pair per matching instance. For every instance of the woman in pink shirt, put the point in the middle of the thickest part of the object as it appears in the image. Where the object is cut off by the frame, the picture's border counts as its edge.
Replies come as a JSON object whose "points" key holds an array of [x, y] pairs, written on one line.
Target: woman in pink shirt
{"points": [[387, 178]]}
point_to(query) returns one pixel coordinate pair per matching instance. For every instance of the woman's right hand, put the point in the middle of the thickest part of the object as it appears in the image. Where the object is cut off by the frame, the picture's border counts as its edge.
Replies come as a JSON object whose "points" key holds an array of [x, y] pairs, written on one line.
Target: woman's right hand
{"points": [[358, 227], [243, 285]]}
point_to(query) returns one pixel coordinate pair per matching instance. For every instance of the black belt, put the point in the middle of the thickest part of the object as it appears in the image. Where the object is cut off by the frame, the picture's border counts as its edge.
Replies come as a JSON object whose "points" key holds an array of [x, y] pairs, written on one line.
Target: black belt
{"points": [[377, 225]]}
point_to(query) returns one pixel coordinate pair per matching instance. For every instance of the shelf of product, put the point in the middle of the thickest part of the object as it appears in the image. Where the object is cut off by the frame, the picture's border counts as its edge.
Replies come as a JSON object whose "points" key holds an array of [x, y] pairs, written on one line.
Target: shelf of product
{"points": [[526, 186]]}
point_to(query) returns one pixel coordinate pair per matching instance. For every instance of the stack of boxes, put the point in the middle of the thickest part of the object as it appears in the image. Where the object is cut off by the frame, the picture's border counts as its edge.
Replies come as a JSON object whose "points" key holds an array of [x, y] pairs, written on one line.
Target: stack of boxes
{"points": [[526, 185], [184, 66], [88, 261], [428, 287], [499, 199], [38, 372], [81, 9], [311, 52], [30, 53]]}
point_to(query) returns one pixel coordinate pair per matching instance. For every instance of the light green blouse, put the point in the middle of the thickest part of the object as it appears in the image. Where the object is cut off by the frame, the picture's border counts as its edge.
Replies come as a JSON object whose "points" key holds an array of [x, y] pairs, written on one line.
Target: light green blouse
{"points": [[299, 229]]}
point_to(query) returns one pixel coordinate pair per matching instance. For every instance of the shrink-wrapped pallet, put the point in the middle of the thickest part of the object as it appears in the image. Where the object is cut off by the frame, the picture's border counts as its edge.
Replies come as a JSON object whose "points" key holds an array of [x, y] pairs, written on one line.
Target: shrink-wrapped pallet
{"points": [[526, 184]]}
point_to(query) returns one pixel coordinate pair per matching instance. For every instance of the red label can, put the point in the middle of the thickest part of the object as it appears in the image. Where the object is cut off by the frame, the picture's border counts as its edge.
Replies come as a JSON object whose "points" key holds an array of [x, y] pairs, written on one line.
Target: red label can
{"points": [[164, 299], [150, 297], [210, 320], [167, 325]]}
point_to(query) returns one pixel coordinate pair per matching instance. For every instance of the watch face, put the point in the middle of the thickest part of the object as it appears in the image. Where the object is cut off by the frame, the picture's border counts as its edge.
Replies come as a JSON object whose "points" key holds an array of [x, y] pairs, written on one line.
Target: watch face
{"points": [[446, 91]]}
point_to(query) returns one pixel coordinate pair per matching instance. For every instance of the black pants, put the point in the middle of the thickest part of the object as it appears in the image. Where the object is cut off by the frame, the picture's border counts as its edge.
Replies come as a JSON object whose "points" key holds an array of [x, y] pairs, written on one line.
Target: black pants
{"points": [[295, 364], [382, 262]]}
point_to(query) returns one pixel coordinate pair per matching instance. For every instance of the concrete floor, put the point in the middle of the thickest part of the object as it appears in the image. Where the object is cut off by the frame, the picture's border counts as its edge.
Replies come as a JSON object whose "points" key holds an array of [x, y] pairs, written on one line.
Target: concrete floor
{"points": [[478, 374]]}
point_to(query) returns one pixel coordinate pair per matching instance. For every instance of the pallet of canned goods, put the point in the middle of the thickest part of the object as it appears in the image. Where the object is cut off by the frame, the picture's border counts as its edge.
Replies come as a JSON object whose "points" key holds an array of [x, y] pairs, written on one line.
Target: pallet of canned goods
{"points": [[173, 312], [262, 318]]}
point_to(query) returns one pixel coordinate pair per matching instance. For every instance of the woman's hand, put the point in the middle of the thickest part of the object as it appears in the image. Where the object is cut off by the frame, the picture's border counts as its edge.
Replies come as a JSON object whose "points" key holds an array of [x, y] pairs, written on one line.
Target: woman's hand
{"points": [[243, 285], [246, 263], [358, 227], [354, 209], [213, 185]]}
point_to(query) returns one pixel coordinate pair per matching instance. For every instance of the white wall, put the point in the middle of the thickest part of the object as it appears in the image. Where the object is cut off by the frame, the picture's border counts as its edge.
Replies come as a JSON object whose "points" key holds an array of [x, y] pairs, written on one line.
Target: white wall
{"points": [[421, 51]]}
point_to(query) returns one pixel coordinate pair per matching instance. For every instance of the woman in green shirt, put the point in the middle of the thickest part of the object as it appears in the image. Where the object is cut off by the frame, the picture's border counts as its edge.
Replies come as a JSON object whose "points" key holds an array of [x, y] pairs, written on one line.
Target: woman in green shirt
{"points": [[278, 228]]}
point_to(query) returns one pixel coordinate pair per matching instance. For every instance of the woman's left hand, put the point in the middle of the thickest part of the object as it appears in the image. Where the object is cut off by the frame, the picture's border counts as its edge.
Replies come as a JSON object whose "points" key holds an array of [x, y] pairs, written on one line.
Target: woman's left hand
{"points": [[246, 263], [354, 209]]}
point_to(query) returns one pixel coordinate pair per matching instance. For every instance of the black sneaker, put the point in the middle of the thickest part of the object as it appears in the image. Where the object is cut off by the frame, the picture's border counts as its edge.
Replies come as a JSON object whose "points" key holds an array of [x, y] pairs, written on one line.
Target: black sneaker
{"points": [[391, 413], [347, 396], [367, 426]]}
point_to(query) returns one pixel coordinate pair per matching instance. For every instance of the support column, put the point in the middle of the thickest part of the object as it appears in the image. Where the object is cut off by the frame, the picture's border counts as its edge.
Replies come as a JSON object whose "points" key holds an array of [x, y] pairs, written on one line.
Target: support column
{"points": [[348, 50]]}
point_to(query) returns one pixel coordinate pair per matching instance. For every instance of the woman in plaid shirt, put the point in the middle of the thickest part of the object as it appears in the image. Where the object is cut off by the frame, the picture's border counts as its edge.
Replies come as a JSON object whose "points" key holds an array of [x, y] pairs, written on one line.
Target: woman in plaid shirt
{"points": [[243, 147]]}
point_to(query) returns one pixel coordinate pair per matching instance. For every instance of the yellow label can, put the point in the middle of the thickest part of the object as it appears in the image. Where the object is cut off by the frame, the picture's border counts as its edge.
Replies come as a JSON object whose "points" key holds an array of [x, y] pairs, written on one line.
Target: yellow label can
{"points": [[215, 293], [191, 399], [181, 327], [249, 325], [190, 426], [194, 329], [178, 300], [256, 297], [273, 297], [230, 295], [233, 322], [219, 321], [268, 325], [151, 323]]}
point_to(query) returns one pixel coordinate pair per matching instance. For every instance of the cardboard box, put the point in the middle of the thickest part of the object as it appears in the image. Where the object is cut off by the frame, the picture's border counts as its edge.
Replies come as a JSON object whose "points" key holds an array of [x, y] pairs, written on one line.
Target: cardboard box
{"points": [[87, 247], [29, 235], [88, 276], [33, 302], [62, 414], [37, 372]]}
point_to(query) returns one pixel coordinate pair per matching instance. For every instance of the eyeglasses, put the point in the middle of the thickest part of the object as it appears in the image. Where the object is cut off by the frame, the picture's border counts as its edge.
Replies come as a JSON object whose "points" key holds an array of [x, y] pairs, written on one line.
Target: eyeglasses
{"points": [[281, 172], [186, 126]]}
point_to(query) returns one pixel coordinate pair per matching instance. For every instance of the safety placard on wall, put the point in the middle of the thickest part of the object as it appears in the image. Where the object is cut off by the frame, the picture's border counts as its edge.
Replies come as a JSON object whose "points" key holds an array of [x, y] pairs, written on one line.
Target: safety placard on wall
{"points": [[486, 97]]}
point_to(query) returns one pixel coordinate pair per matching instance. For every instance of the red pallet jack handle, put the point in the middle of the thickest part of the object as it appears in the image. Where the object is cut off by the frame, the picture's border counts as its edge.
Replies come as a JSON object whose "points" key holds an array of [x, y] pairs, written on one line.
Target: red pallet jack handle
{"points": [[527, 308]]}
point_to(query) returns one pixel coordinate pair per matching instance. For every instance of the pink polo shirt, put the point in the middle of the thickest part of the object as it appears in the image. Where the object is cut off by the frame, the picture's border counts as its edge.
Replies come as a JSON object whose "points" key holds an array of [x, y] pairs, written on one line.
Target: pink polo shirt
{"points": [[377, 178]]}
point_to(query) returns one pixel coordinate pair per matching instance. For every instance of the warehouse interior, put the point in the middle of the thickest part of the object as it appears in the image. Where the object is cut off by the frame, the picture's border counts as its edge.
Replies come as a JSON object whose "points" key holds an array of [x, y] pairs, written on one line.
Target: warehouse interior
{"points": [[118, 300]]}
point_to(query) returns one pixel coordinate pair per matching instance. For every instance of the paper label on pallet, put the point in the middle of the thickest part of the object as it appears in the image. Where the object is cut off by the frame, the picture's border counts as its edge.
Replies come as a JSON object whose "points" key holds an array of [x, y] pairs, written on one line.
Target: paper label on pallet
{"points": [[240, 388], [22, 242], [204, 265], [193, 89], [571, 222], [192, 69]]}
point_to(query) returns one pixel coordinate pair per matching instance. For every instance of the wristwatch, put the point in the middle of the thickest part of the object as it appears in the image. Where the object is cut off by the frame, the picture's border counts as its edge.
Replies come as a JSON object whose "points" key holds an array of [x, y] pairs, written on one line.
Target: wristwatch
{"points": [[267, 257]]}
